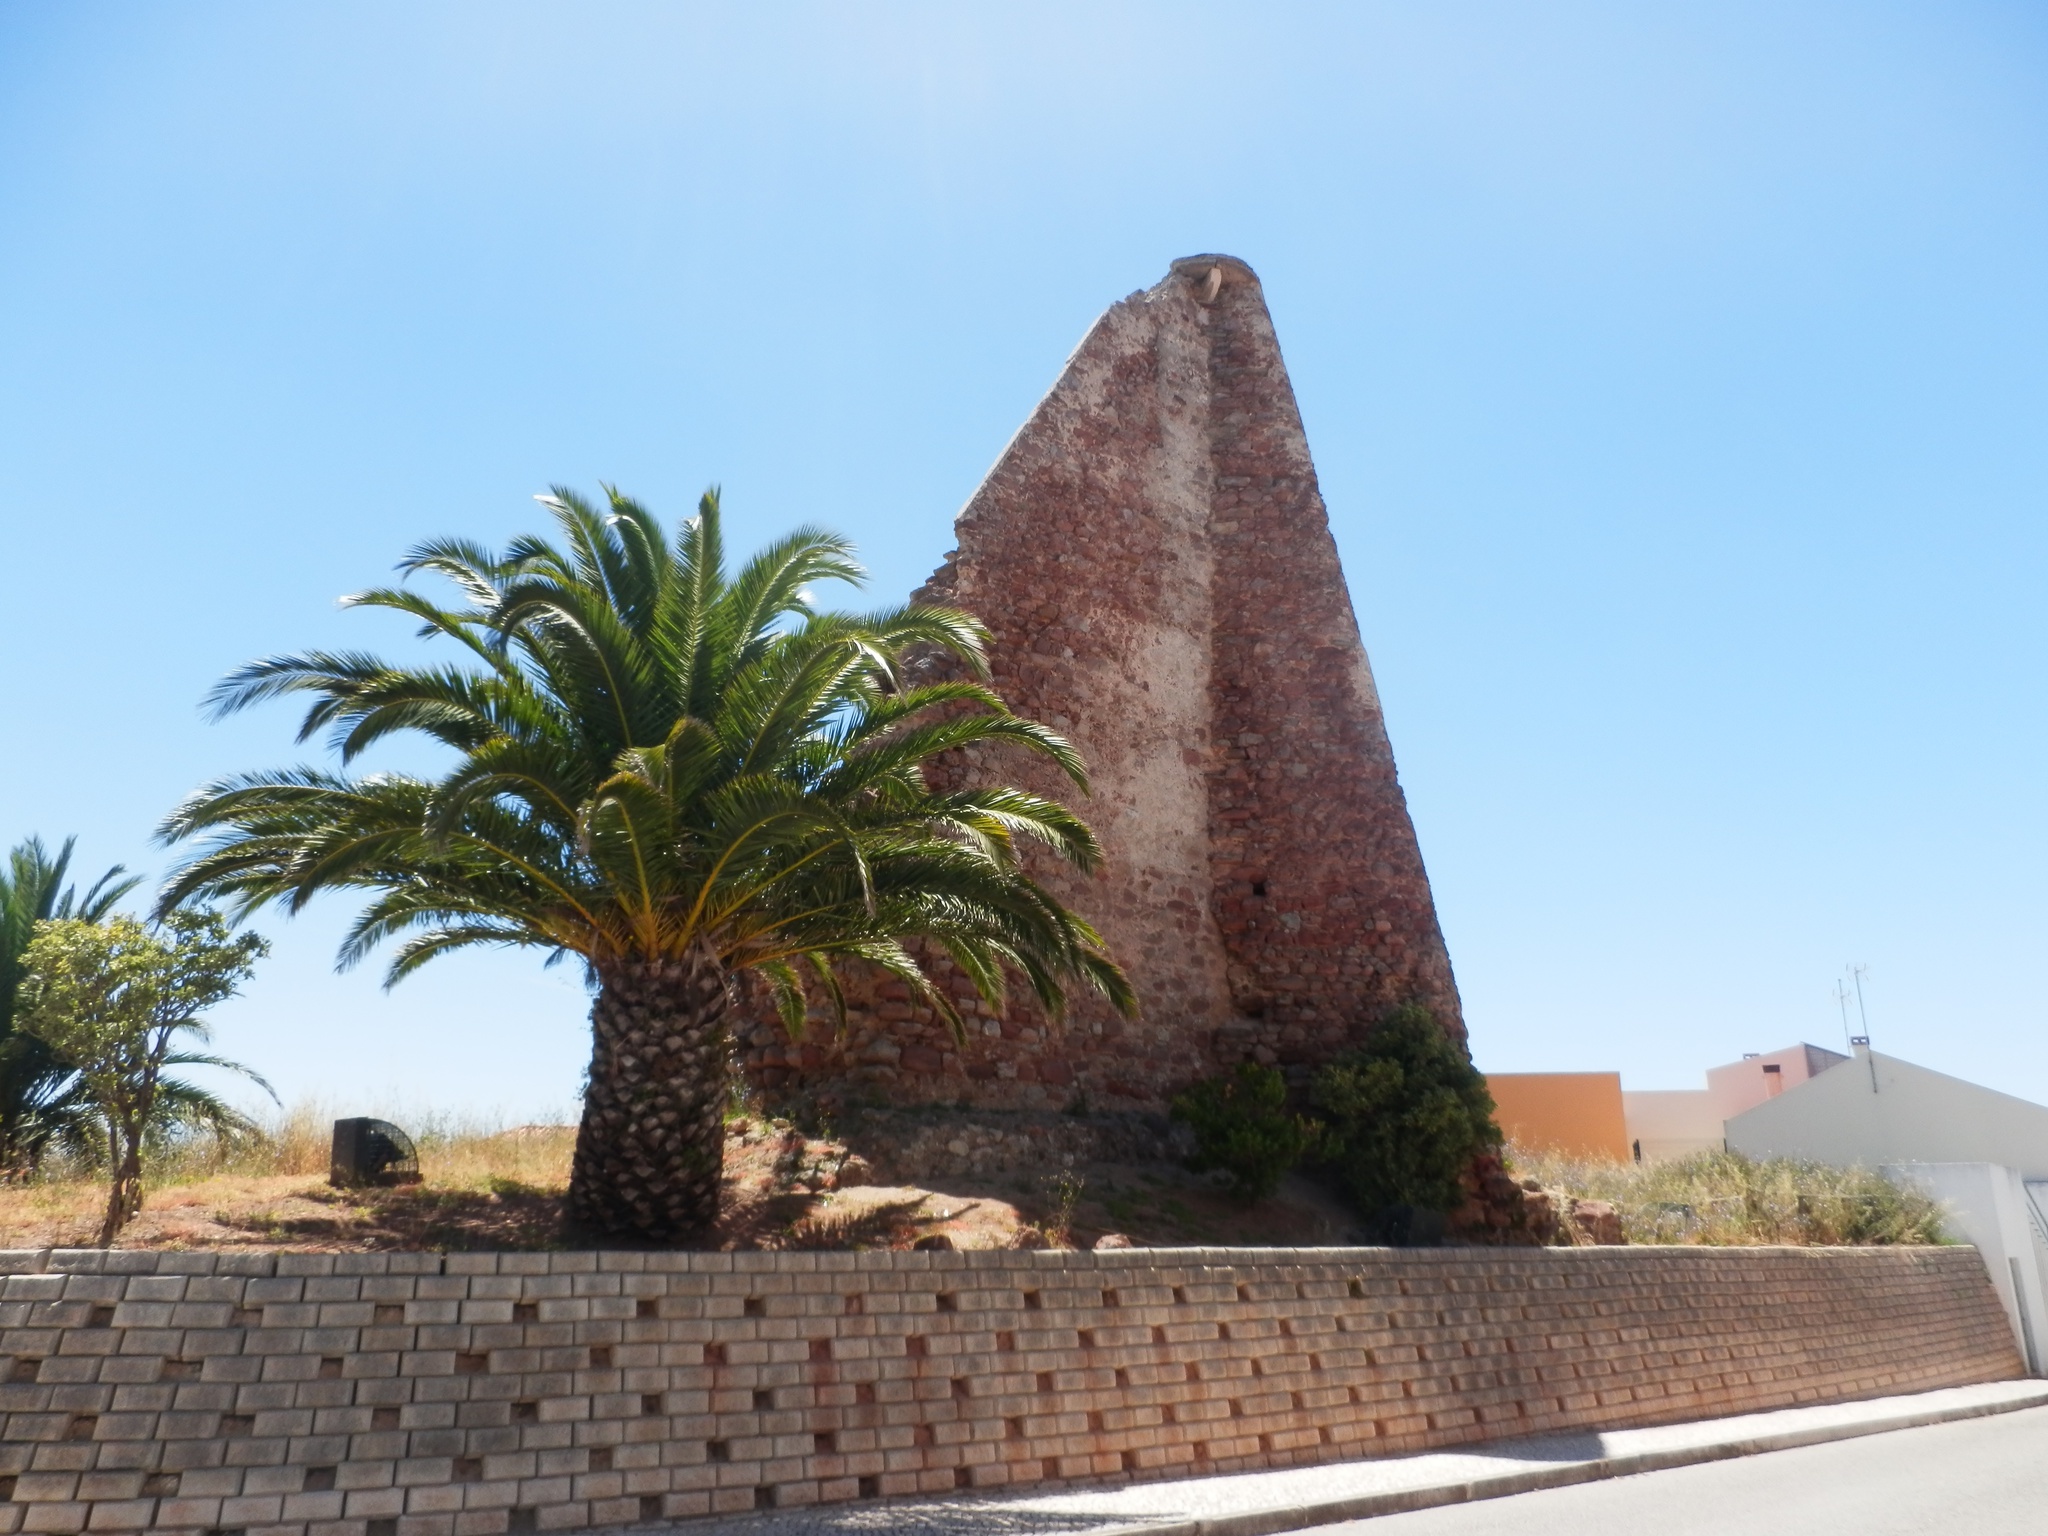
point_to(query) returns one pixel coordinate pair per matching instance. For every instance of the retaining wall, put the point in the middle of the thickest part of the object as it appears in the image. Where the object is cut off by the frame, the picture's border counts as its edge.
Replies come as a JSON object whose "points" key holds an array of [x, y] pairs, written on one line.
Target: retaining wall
{"points": [[472, 1394]]}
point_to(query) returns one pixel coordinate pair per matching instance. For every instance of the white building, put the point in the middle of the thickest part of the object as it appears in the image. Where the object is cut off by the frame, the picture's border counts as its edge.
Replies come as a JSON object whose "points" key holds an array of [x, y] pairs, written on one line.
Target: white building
{"points": [[1877, 1110], [1670, 1123]]}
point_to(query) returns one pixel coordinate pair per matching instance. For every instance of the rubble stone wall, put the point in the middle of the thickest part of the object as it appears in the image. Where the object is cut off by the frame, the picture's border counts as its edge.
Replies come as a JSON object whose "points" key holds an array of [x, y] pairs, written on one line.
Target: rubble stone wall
{"points": [[476, 1394], [1154, 562]]}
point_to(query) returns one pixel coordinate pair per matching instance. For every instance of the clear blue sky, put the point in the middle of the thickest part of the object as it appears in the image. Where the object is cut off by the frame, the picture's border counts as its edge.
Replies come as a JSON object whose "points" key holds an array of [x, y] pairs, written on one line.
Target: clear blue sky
{"points": [[1677, 374]]}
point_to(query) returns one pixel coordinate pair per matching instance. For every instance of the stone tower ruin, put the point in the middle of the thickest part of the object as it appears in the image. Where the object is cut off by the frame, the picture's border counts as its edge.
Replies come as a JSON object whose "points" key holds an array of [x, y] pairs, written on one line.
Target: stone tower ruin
{"points": [[1153, 559]]}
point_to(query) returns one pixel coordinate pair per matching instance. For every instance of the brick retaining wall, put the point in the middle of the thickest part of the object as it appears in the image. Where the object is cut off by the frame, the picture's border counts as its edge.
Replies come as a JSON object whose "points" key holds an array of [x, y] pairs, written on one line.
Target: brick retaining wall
{"points": [[466, 1395]]}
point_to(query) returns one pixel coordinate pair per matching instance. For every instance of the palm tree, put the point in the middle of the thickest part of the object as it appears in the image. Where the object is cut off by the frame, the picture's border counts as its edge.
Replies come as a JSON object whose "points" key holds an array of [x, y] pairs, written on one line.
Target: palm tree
{"points": [[39, 1102], [679, 776]]}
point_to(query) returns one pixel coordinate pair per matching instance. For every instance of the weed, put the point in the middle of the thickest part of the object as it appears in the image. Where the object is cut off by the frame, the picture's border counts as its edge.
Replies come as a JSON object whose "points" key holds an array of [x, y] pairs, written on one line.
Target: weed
{"points": [[1725, 1199], [1063, 1190]]}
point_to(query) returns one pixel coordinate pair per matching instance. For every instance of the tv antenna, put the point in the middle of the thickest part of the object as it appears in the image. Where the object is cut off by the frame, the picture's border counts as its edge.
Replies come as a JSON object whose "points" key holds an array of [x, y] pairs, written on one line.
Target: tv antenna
{"points": [[1856, 974], [1842, 1001]]}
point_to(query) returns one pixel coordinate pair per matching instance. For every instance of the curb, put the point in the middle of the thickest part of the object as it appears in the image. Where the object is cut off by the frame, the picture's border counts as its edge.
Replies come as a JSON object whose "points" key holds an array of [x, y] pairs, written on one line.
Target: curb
{"points": [[1296, 1517]]}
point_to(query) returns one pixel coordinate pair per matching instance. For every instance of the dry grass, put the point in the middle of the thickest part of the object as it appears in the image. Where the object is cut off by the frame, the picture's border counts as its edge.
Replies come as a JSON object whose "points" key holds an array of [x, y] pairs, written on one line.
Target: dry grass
{"points": [[1725, 1199], [482, 1184], [456, 1152]]}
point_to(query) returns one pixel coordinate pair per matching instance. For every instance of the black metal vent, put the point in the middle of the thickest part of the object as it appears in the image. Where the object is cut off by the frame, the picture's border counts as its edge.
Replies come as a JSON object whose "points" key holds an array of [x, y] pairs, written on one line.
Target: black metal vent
{"points": [[373, 1152]]}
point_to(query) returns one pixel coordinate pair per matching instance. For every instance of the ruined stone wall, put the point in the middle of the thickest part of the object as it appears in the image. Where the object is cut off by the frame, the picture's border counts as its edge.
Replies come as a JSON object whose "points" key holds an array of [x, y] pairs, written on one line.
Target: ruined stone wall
{"points": [[1153, 559], [480, 1394]]}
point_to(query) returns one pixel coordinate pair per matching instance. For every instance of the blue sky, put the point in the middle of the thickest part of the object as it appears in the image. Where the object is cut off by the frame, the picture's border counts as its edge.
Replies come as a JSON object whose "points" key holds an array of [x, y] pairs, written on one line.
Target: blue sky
{"points": [[1677, 376]]}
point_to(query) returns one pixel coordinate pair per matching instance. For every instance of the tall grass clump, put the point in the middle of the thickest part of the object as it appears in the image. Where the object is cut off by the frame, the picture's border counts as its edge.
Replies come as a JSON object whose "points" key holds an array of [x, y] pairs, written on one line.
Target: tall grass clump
{"points": [[1726, 1199]]}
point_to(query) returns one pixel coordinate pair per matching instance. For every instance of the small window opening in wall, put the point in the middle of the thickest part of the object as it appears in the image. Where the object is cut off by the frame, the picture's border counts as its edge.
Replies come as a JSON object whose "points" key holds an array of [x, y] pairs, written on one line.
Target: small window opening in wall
{"points": [[525, 1311], [600, 1458], [718, 1450], [764, 1400], [650, 1403], [871, 1487], [764, 1498], [330, 1368], [650, 1506], [525, 1518], [1258, 887], [646, 1307], [600, 1357], [825, 1442], [387, 1418], [948, 1302], [102, 1317], [756, 1307], [27, 1367], [321, 1479], [522, 1413], [1031, 1302]]}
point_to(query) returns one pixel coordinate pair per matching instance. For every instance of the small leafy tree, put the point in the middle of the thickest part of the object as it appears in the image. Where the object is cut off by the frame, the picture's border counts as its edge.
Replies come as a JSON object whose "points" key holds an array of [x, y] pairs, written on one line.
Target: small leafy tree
{"points": [[39, 1104], [113, 1002], [1243, 1128], [1404, 1114]]}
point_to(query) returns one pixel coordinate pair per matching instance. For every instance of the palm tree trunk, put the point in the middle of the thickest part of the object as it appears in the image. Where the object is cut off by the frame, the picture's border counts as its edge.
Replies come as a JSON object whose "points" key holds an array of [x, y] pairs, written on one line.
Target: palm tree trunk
{"points": [[651, 1147]]}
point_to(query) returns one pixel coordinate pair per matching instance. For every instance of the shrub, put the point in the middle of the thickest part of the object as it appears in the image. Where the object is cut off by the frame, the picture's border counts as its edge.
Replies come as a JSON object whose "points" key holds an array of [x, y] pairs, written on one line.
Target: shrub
{"points": [[1404, 1115], [1242, 1128], [1724, 1198]]}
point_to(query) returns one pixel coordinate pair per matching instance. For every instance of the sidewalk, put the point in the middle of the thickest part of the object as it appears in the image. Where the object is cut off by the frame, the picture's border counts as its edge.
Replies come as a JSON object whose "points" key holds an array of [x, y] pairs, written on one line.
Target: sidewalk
{"points": [[1260, 1503]]}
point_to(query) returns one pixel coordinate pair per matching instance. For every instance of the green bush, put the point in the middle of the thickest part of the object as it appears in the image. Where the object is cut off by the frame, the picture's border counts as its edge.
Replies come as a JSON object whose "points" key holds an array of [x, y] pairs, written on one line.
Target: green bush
{"points": [[1404, 1115], [1242, 1128]]}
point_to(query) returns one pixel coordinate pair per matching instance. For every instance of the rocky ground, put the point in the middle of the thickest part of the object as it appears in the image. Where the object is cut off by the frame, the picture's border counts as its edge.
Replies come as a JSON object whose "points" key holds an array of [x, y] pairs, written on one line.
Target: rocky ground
{"points": [[783, 1189]]}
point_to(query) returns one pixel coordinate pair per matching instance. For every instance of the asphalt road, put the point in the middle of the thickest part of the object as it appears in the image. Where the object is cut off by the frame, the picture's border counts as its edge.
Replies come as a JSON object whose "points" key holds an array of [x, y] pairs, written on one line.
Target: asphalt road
{"points": [[1981, 1477]]}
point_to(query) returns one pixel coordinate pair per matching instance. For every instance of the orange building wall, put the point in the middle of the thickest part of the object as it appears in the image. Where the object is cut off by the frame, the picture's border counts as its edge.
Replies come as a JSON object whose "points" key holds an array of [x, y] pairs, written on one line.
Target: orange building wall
{"points": [[1577, 1114]]}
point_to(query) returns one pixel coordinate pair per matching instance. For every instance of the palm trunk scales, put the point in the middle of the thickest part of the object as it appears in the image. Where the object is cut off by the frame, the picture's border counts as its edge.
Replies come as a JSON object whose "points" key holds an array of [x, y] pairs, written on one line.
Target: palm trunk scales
{"points": [[651, 1147]]}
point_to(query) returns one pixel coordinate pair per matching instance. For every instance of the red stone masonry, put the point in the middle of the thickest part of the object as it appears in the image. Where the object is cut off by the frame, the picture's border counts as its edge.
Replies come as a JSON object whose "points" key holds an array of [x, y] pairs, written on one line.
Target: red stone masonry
{"points": [[1154, 562]]}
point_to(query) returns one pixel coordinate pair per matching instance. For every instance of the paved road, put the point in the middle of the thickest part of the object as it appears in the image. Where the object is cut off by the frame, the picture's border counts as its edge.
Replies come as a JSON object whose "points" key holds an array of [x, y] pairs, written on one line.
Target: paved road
{"points": [[1983, 1477]]}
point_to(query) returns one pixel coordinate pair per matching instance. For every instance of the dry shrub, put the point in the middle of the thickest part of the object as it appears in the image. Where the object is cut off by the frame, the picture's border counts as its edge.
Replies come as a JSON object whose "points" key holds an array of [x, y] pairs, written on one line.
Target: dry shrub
{"points": [[1726, 1199], [889, 1224]]}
